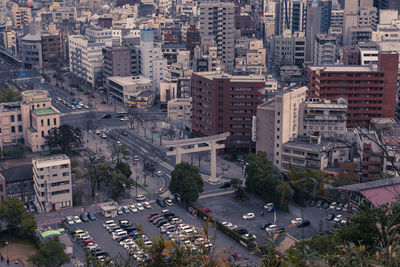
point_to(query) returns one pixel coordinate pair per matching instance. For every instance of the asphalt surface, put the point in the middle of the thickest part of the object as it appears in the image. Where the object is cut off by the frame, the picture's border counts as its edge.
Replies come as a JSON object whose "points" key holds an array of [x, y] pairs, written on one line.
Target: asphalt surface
{"points": [[225, 208], [104, 239]]}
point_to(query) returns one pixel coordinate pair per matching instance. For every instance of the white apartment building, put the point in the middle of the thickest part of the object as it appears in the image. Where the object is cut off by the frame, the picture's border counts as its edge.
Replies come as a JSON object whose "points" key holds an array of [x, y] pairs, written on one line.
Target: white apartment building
{"points": [[324, 118], [324, 50], [180, 110], [52, 183], [217, 29], [127, 89], [368, 53], [152, 61], [277, 122], [85, 53]]}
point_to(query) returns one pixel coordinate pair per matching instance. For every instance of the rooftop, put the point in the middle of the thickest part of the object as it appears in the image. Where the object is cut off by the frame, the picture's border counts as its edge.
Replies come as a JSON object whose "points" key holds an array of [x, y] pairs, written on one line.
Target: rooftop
{"points": [[378, 192], [19, 173], [345, 68], [129, 80], [50, 160], [34, 92], [44, 111], [146, 93], [234, 78], [10, 106], [35, 100]]}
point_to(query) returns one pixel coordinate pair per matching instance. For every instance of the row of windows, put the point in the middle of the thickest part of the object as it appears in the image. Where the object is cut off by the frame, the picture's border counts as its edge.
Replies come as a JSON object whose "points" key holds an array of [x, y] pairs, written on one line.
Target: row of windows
{"points": [[60, 183], [60, 192]]}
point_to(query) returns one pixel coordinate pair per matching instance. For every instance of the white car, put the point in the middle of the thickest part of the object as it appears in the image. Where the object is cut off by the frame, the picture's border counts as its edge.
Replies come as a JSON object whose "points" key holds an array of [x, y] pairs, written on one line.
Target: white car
{"points": [[249, 236], [168, 202], [249, 216], [58, 98], [159, 173], [133, 208], [147, 205], [332, 206], [135, 158], [69, 221], [139, 206], [338, 218], [125, 119], [76, 219], [141, 198], [296, 221]]}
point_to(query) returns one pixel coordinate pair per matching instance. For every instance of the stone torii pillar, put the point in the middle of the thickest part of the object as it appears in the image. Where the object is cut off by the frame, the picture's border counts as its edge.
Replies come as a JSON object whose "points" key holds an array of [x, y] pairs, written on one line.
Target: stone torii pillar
{"points": [[209, 143]]}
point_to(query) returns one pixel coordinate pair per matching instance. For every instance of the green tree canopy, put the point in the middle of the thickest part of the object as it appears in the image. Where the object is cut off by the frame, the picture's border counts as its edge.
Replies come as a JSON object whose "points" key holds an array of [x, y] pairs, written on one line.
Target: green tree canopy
{"points": [[263, 178], [9, 95], [186, 181], [65, 138], [119, 182], [124, 168], [50, 254]]}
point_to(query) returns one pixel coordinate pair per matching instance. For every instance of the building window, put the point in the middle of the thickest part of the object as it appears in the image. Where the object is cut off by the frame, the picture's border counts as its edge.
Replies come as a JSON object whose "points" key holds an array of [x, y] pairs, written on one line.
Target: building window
{"points": [[42, 133], [12, 118], [65, 174], [19, 128], [19, 117], [48, 122], [55, 121], [13, 129], [41, 123]]}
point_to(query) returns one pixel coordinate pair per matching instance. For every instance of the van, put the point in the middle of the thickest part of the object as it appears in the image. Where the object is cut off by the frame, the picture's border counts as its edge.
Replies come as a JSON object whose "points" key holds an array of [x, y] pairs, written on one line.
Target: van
{"points": [[107, 223], [119, 234]]}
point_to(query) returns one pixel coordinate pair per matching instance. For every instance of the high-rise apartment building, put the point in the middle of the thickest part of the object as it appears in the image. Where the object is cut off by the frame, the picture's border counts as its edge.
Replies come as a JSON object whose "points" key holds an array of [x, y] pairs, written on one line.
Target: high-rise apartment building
{"points": [[152, 61], [277, 122], [117, 61], [3, 12], [289, 49], [52, 183], [293, 15], [226, 103], [217, 29], [369, 90], [324, 50], [325, 118], [21, 15]]}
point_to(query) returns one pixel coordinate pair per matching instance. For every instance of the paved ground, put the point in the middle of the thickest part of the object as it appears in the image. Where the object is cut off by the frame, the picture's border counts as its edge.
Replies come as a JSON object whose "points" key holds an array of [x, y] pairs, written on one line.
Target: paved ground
{"points": [[97, 231], [225, 208]]}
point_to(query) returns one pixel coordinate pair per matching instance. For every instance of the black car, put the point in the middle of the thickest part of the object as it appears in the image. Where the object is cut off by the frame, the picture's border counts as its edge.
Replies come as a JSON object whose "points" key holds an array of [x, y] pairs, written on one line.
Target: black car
{"points": [[263, 227], [169, 214], [91, 216], [225, 185], [84, 217], [242, 231], [330, 217], [161, 223], [106, 116], [160, 203], [325, 205], [312, 203], [304, 223]]}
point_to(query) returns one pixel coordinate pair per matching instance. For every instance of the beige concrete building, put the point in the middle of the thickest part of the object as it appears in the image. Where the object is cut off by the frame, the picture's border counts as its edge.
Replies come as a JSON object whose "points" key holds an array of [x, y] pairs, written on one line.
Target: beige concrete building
{"points": [[28, 121], [8, 39], [277, 122], [180, 109], [52, 183], [21, 15], [325, 117]]}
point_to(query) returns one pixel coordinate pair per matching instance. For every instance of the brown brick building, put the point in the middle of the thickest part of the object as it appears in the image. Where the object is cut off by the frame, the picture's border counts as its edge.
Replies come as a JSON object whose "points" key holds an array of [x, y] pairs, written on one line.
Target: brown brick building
{"points": [[226, 103], [370, 91], [53, 47]]}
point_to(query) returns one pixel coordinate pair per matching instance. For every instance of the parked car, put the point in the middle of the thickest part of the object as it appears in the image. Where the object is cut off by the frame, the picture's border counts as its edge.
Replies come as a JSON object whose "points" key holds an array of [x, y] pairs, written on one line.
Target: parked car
{"points": [[263, 227], [84, 217], [135, 158], [160, 191], [332, 206], [106, 116], [325, 205], [330, 217], [320, 203], [91, 216], [339, 207], [141, 198], [296, 221], [304, 223], [139, 206], [69, 220], [125, 209], [344, 221], [76, 219], [133, 208], [169, 202], [147, 205], [158, 173], [249, 216], [338, 218]]}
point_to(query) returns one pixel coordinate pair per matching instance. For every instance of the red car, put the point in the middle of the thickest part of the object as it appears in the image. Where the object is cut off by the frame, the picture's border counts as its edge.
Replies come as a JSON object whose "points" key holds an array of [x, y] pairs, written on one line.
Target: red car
{"points": [[206, 210]]}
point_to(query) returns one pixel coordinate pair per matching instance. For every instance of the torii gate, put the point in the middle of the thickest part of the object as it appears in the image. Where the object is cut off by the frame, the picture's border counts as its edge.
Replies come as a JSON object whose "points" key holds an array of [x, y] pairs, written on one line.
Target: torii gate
{"points": [[185, 146]]}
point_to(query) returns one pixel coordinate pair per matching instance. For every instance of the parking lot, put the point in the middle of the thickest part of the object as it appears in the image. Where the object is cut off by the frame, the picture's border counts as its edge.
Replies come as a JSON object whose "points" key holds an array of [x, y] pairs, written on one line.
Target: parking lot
{"points": [[140, 219], [226, 209]]}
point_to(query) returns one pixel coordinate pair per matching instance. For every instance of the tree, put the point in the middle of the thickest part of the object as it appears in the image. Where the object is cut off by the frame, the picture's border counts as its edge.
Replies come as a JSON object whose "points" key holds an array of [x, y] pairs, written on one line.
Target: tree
{"points": [[97, 173], [28, 226], [64, 137], [186, 181], [9, 95], [262, 177], [50, 254], [124, 168], [119, 150], [118, 184], [11, 211]]}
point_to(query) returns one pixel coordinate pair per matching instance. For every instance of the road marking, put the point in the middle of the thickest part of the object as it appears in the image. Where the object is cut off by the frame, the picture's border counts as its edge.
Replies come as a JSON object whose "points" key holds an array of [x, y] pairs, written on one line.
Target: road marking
{"points": [[216, 194]]}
